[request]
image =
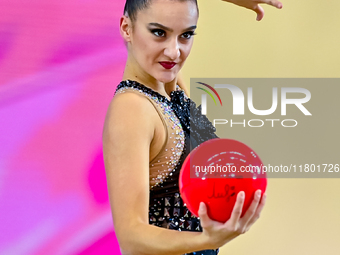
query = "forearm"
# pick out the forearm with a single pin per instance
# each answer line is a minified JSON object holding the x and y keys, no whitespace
{"x":146,"y":239}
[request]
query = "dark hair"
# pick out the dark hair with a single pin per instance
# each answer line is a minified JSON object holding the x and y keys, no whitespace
{"x":133,"y":6}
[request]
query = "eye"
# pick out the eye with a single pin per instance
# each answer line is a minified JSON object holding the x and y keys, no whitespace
{"x":158,"y":32}
{"x":188,"y":35}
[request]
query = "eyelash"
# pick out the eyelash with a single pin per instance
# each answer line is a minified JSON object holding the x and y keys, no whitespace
{"x":191,"y":33}
{"x":154,"y":31}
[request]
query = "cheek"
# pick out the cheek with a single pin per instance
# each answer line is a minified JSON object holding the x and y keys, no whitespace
{"x":186,"y":50}
{"x":141,"y":44}
{"x":147,"y":49}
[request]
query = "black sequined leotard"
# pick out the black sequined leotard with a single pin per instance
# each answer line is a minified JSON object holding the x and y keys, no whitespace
{"x":186,"y":128}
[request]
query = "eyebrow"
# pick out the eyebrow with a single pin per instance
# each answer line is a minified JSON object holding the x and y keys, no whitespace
{"x":169,"y":29}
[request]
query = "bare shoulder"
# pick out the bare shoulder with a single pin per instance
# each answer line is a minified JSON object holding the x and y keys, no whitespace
{"x":130,"y":113}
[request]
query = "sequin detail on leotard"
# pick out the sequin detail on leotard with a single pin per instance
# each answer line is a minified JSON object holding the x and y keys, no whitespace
{"x":163,"y":165}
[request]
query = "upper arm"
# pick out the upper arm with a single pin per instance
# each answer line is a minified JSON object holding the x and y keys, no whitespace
{"x":127,"y":135}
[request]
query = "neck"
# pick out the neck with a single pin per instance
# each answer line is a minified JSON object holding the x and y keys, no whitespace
{"x":134,"y":72}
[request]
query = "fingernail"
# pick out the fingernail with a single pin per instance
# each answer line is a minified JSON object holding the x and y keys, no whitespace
{"x":258,"y":193}
{"x":201,"y":206}
{"x":241,"y":194}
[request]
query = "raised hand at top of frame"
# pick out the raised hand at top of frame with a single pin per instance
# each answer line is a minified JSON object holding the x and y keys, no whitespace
{"x":255,"y":5}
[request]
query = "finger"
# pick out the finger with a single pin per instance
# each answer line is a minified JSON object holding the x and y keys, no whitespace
{"x":237,"y":210}
{"x":260,"y":12}
{"x":274,"y":3}
{"x":252,"y":209}
{"x":203,"y":215}
{"x":259,"y":209}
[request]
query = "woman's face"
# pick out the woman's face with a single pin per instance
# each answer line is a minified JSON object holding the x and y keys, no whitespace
{"x":162,"y":37}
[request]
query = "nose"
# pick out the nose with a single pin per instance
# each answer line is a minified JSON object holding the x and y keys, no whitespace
{"x":172,"y":49}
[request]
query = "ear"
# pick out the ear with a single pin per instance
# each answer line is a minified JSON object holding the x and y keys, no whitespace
{"x":125,"y":28}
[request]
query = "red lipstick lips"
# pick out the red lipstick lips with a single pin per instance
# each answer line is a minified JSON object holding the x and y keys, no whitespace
{"x":168,"y":65}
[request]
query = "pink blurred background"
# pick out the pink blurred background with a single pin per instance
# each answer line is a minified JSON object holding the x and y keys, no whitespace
{"x":60,"y":62}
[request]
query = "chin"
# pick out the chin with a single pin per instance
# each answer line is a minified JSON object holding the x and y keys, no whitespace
{"x":166,"y":78}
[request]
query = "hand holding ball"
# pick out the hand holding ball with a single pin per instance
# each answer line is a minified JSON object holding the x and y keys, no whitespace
{"x":215,"y":172}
